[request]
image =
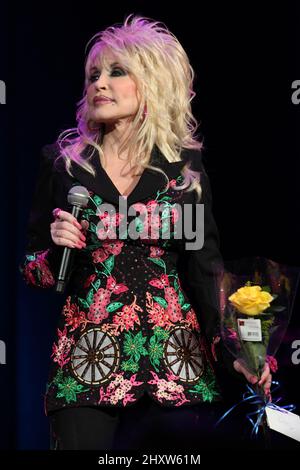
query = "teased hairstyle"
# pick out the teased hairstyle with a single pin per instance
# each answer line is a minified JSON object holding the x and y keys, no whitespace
{"x":160,"y":67}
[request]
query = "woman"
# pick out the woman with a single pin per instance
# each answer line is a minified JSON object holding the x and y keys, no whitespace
{"x":140,"y":313}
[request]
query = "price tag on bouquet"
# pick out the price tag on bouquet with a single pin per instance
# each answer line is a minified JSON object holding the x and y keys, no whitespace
{"x":249,"y":329}
{"x":284,"y":421}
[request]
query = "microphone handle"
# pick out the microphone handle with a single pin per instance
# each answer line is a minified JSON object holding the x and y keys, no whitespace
{"x":66,"y":259}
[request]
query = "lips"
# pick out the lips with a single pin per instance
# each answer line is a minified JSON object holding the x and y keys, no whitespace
{"x":102,"y":99}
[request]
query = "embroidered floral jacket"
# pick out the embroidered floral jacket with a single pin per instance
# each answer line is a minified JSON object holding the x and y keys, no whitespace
{"x":140,"y":315}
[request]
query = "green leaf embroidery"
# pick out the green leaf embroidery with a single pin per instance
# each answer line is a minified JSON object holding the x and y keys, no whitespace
{"x":90,"y":296}
{"x":93,"y":227}
{"x":158,"y":261}
{"x":69,"y":388}
{"x":161,"y":301}
{"x":114,"y":306}
{"x":96,"y":284}
{"x":134,"y":346}
{"x":109,"y":263}
{"x":130,"y":366}
{"x":206,"y":386}
{"x":88,"y":212}
{"x":186,"y":307}
{"x":160,"y":333}
{"x":59,"y":377}
{"x":156,"y":346}
{"x":97,"y":200}
{"x":180,"y":298}
{"x":83,"y":302}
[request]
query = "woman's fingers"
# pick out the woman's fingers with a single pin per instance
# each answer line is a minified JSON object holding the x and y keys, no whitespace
{"x":85,"y":225}
{"x":265,"y":379}
{"x":66,"y":231}
{"x":240,"y":367}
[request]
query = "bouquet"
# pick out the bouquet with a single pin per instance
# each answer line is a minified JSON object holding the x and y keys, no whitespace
{"x":256,"y":302}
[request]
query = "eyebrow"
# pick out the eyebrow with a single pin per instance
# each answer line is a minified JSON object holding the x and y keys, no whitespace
{"x":111,"y":65}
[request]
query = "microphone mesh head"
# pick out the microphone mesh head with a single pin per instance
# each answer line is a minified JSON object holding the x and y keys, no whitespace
{"x":78,"y":196}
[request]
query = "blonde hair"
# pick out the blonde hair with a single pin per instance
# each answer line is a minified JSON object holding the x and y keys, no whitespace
{"x":160,"y":67}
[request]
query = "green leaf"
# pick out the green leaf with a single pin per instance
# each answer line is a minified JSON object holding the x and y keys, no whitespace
{"x":93,"y":227}
{"x":109,"y":263}
{"x":97,"y":200}
{"x":186,"y":307}
{"x":83,"y":303}
{"x":157,"y":261}
{"x":153,"y":340}
{"x":161,"y":301}
{"x":90,"y":296}
{"x":161,"y":333}
{"x":88,"y":212}
{"x":97,"y":284}
{"x":176,"y":284}
{"x":180,"y":298}
{"x":113,"y":306}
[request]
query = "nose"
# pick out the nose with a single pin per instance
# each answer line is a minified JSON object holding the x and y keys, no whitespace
{"x":101,"y":82}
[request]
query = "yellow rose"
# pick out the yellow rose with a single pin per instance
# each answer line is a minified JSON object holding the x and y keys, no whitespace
{"x":251,"y":300}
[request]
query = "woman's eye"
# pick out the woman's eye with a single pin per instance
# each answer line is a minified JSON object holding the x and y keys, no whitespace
{"x":94,"y":77}
{"x":117,"y":72}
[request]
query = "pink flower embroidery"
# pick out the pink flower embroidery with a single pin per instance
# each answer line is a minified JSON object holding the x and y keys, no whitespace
{"x":108,"y":248}
{"x":192,"y":320}
{"x":125,"y":319}
{"x":118,"y":390}
{"x":168,"y":389}
{"x":62,"y":349}
{"x":74,"y":317}
{"x":89,"y":281}
{"x":156,"y":252}
{"x":157,"y":314}
{"x":160,"y":283}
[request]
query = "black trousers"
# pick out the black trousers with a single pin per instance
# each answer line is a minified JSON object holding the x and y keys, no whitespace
{"x":143,"y":425}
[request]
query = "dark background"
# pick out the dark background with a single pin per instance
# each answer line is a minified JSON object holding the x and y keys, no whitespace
{"x":246,"y":57}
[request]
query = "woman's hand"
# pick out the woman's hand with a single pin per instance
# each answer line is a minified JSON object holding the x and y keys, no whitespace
{"x":66,"y":231}
{"x":265,"y":379}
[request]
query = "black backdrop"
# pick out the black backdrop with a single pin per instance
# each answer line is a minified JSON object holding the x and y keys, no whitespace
{"x":246,"y":58}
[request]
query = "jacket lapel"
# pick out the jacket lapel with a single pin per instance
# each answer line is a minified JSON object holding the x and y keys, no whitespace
{"x":147,"y":186}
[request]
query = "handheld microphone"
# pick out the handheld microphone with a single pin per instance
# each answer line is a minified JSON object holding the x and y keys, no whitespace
{"x":78,"y":197}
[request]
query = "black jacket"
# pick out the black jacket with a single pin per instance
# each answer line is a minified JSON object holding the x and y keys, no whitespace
{"x":139,"y":314}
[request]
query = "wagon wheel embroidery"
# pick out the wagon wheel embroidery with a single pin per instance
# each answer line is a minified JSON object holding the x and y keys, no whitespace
{"x":182,"y":354}
{"x":95,"y":357}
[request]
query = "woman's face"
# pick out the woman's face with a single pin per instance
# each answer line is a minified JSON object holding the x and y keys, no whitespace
{"x":112,"y":94}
